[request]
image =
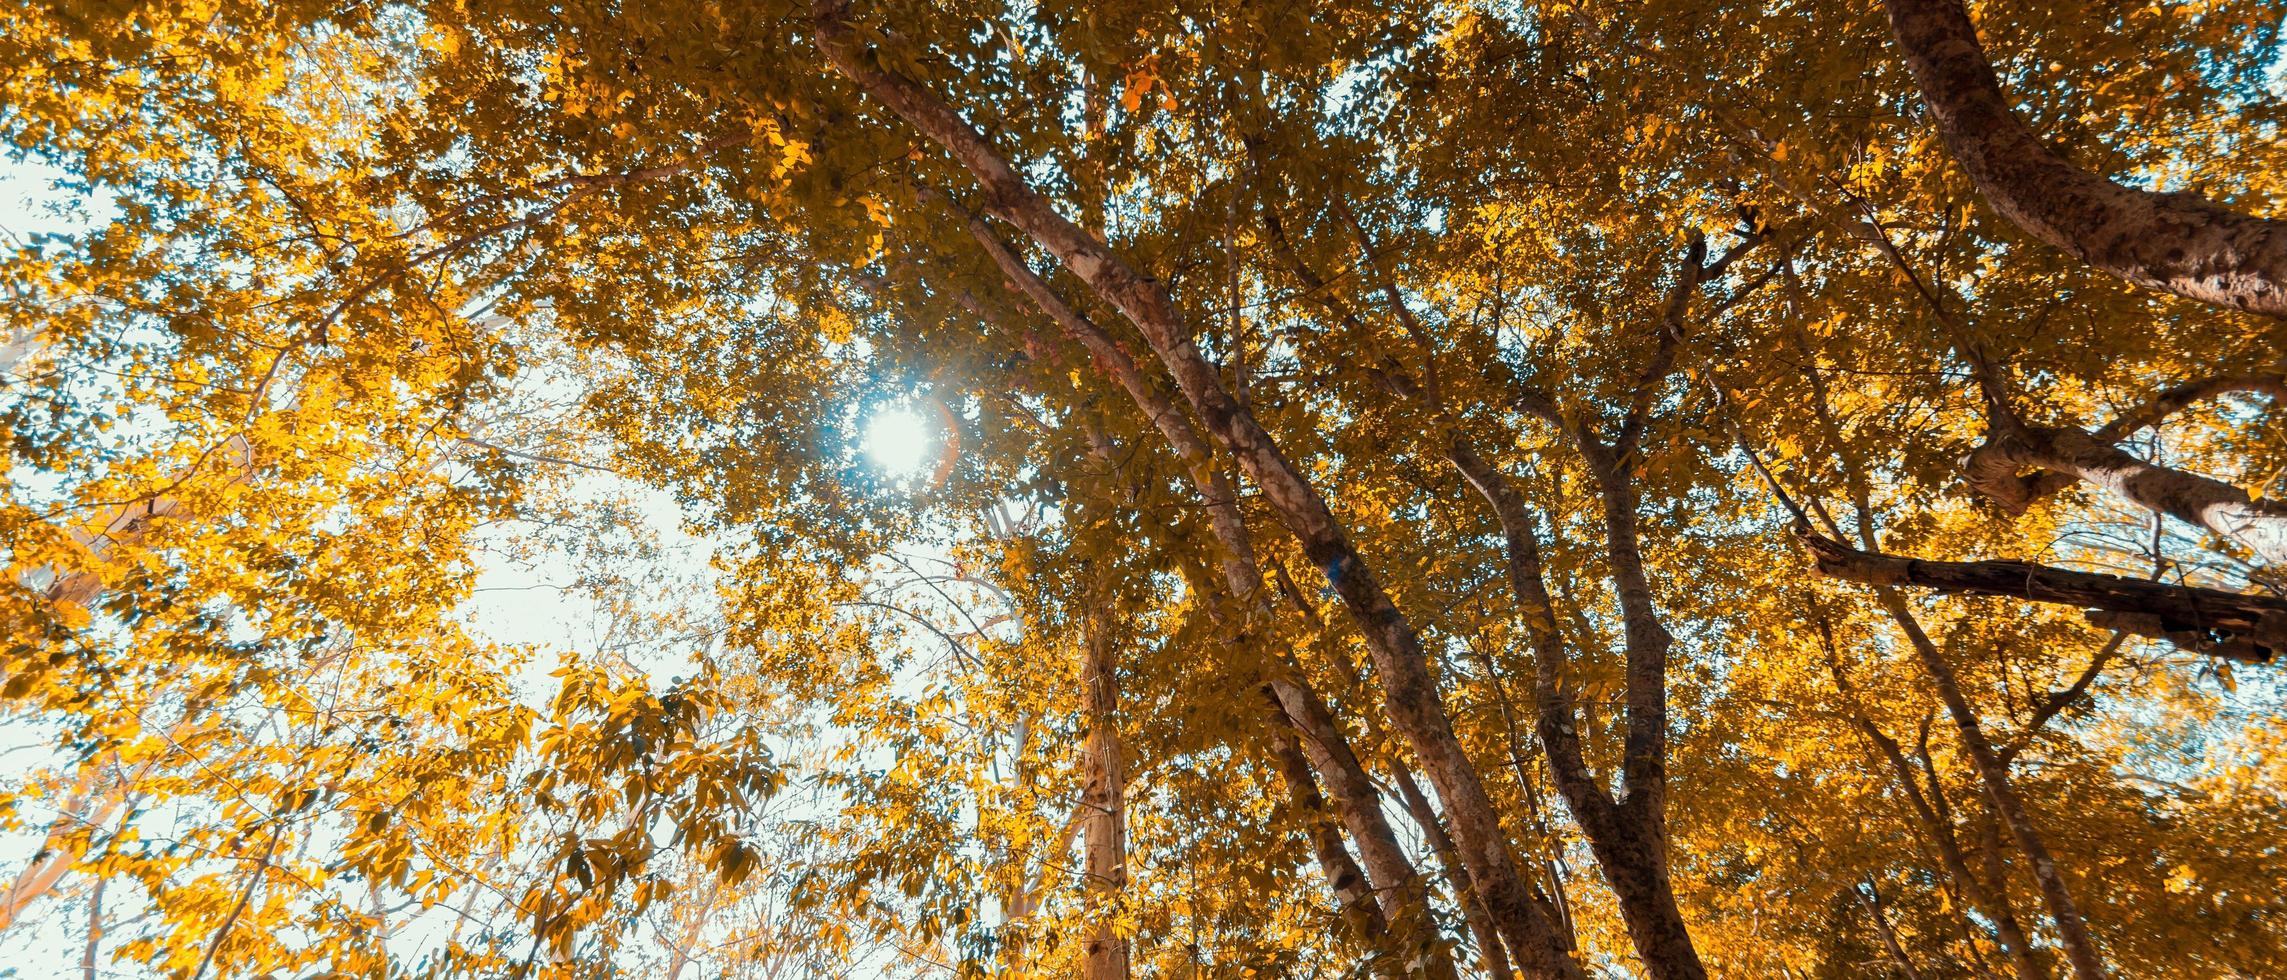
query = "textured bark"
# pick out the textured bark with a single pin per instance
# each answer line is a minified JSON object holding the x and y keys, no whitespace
{"x":2227,"y":511}
{"x":1409,"y":693}
{"x":1404,"y":898}
{"x":1352,"y":892}
{"x":1103,"y":802}
{"x":2179,"y":243}
{"x":2227,"y":624}
{"x":1627,"y":836}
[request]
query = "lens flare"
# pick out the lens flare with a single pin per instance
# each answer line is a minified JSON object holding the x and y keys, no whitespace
{"x":899,"y":442}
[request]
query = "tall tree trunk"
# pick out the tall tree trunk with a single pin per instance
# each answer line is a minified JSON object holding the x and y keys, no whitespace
{"x":1456,"y":874}
{"x":1327,"y":748}
{"x":1103,"y":801}
{"x":1409,"y":693}
{"x":92,"y":952}
{"x":1932,"y":814}
{"x":1871,"y":901}
{"x":1352,"y":891}
{"x":1997,"y":886}
{"x":1639,"y":849}
{"x":1405,"y":899}
{"x":1628,"y":837}
{"x":2179,"y":243}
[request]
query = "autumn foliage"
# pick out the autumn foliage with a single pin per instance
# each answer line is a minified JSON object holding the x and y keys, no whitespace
{"x":1417,"y":489}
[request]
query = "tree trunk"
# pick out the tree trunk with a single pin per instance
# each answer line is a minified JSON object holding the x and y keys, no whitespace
{"x":1628,"y":837}
{"x":1352,"y":892}
{"x":1103,"y":801}
{"x":88,"y":809}
{"x":2178,"y":243}
{"x":1404,"y":899}
{"x":2072,"y":931}
{"x":1871,"y":901}
{"x":1392,"y":875}
{"x":91,"y":954}
{"x":1456,"y":875}
{"x":1935,"y":819}
{"x":1997,"y":885}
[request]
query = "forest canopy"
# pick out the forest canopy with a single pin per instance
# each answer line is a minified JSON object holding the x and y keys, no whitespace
{"x":805,"y":488}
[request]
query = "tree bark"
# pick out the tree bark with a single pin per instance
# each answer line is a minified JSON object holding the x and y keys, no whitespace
{"x":2072,"y":930}
{"x":1103,"y":801}
{"x":2227,"y":511}
{"x":1456,"y":875}
{"x":1404,"y":899}
{"x":2226,"y":624}
{"x":1409,"y":693}
{"x":1627,"y":836}
{"x":1997,"y":884}
{"x":1936,"y":822}
{"x":1352,"y":892}
{"x":1391,"y":874}
{"x":2178,"y":243}
{"x":91,"y":954}
{"x":1871,"y":901}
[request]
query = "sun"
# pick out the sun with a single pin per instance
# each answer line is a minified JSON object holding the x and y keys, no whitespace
{"x":899,"y":442}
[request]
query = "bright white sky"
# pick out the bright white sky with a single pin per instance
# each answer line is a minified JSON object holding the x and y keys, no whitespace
{"x":901,"y":441}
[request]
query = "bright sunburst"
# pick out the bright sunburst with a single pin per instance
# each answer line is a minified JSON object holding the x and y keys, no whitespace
{"x":899,"y":442}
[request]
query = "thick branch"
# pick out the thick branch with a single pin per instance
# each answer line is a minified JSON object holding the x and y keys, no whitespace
{"x":2179,"y":243}
{"x":2212,"y":621}
{"x":2064,"y":455}
{"x":2172,"y":400}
